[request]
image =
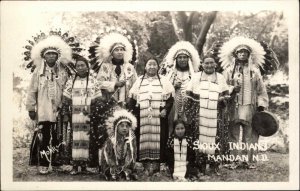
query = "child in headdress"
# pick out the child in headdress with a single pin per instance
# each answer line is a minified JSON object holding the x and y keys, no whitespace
{"x":118,"y":155}
{"x":180,"y":153}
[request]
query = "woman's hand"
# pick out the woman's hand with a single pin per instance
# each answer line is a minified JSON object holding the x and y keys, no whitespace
{"x":237,"y":88}
{"x":32,"y":115}
{"x":163,"y":113}
{"x":120,"y":84}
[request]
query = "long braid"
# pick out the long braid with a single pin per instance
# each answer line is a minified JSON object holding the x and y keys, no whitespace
{"x":159,"y":80}
{"x":74,"y":80}
{"x":87,"y":83}
{"x":142,"y":80}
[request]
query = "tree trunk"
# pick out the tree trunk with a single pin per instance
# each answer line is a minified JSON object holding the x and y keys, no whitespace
{"x":204,"y":30}
{"x":188,"y":33}
{"x":183,"y":19}
{"x":175,"y":26}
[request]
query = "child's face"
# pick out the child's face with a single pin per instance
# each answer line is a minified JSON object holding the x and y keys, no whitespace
{"x":180,"y":130}
{"x":123,"y":128}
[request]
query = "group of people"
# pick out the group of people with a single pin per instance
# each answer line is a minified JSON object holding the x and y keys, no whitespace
{"x":113,"y":119}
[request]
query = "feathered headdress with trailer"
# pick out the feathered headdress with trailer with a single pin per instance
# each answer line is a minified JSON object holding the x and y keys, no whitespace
{"x":108,"y":39}
{"x":271,"y":61}
{"x":229,"y":49}
{"x":121,"y":115}
{"x":181,"y":47}
{"x":64,"y":45}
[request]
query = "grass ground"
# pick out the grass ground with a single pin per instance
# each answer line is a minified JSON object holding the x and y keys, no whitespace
{"x":274,"y":170}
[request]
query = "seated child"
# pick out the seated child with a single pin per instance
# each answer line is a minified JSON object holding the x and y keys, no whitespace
{"x":180,"y":153}
{"x":118,"y":155}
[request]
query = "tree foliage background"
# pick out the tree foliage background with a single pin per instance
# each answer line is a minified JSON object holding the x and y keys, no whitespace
{"x":155,"y":33}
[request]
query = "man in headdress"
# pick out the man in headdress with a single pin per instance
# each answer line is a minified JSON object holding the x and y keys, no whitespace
{"x":116,"y":72}
{"x":182,"y":61}
{"x":241,"y":57}
{"x":44,"y":97}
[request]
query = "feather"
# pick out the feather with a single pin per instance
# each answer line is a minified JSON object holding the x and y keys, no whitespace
{"x":33,"y":68}
{"x":55,"y":41}
{"x":270,"y":59}
{"x":31,"y":42}
{"x":93,"y":61}
{"x":27,"y":58}
{"x":65,"y":35}
{"x":92,"y":49}
{"x":183,"y":45}
{"x":227,"y":51}
{"x":103,"y":50}
{"x":29,"y":65}
{"x":28,"y":47}
{"x":70,"y":40}
{"x":77,"y":49}
{"x":75,"y":56}
{"x":74,"y":44}
{"x":27,"y":53}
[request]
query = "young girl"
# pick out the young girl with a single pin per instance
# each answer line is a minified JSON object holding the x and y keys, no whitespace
{"x":118,"y":156}
{"x":180,"y":153}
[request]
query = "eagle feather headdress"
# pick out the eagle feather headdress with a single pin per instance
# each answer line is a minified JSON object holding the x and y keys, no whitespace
{"x":228,"y":52}
{"x":121,"y":115}
{"x":181,"y":47}
{"x":101,"y":49}
{"x":269,"y":65}
{"x":64,"y":45}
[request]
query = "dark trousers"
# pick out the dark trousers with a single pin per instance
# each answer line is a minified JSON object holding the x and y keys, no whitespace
{"x":41,"y":148}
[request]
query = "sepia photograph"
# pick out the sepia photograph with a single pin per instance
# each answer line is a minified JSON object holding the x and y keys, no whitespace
{"x":127,"y":95}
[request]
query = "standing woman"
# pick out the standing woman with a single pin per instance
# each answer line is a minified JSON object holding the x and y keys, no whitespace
{"x":206,"y":93}
{"x":77,"y":97}
{"x":154,"y":97}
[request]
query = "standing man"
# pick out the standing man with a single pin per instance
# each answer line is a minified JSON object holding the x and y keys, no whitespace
{"x":182,"y":61}
{"x":241,"y":58}
{"x":44,"y":96}
{"x":116,"y":72}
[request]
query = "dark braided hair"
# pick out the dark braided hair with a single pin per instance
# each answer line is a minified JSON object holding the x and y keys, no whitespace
{"x":76,"y":74}
{"x":156,"y":60}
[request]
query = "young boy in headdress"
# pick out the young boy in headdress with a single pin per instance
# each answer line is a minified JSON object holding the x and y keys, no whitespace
{"x":118,"y":155}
